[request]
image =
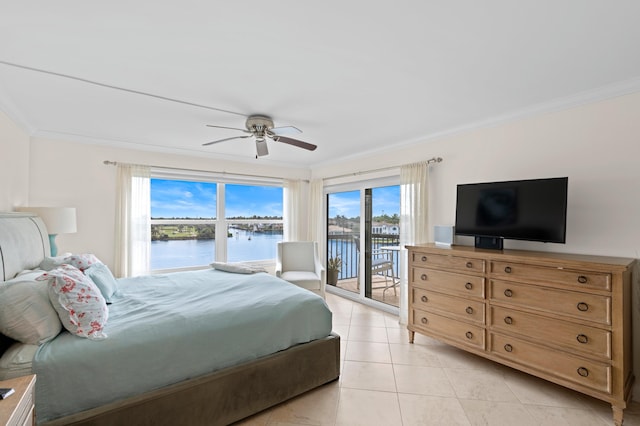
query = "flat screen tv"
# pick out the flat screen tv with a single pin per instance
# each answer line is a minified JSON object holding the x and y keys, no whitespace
{"x":532,"y":210}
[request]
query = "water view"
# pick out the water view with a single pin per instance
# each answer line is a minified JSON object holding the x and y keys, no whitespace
{"x":241,"y":246}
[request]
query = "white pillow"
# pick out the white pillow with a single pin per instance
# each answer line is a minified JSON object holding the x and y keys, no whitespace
{"x":103,"y":279}
{"x":17,"y":360}
{"x":237,"y":268}
{"x":26,"y":314}
{"x":78,"y":301}
{"x":27,"y":275}
{"x":82,"y":261}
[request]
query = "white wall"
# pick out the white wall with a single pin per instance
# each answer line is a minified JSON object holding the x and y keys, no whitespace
{"x":14,"y":165}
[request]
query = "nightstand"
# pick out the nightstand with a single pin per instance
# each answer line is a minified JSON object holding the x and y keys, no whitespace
{"x":19,"y":408}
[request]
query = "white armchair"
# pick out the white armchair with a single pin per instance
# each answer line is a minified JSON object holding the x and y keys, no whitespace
{"x":298,"y":262}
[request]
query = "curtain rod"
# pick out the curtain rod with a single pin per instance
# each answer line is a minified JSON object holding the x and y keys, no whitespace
{"x":429,"y":161}
{"x":223,"y":173}
{"x":115,"y":163}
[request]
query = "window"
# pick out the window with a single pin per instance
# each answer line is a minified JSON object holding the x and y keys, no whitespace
{"x":254,"y":218}
{"x":189,"y":217}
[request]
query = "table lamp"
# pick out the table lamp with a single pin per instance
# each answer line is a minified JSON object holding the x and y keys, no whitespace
{"x":58,"y":220}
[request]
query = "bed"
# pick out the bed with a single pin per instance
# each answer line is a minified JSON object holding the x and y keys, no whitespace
{"x":201,"y":347}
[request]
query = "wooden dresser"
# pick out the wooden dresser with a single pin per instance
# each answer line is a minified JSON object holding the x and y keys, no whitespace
{"x":18,"y":409}
{"x":565,"y":318}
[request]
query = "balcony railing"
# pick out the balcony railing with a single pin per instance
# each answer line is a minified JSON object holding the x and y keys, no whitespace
{"x":344,"y":246}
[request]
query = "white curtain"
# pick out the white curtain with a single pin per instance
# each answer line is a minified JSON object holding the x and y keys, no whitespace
{"x":414,"y":225}
{"x":294,"y":211}
{"x":133,"y":220}
{"x":316,"y":231}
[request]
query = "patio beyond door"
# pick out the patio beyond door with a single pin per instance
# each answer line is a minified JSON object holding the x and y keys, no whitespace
{"x":363,"y":235}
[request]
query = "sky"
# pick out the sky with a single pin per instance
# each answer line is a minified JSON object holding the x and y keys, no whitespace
{"x":386,"y":200}
{"x":175,"y":198}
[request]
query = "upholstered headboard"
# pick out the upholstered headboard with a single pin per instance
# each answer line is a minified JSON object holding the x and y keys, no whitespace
{"x":24,"y":242}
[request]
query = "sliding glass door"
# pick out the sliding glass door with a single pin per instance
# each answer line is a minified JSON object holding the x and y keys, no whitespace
{"x":363,"y":232}
{"x":382,"y":244}
{"x":343,"y":232}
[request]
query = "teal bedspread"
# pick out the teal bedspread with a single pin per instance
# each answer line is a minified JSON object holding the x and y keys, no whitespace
{"x":163,"y":329}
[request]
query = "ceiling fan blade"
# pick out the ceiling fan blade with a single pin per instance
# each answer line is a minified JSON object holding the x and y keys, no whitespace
{"x":226,"y":139}
{"x":285,"y":130}
{"x":295,"y":142}
{"x":261,"y":148}
{"x":230,"y":128}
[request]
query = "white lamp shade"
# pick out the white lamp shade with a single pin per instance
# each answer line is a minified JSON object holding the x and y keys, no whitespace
{"x":58,"y":220}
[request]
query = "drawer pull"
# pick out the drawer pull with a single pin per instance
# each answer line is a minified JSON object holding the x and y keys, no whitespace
{"x":509,"y":293}
{"x":582,"y":307}
{"x":424,"y":258}
{"x":469,"y":310}
{"x":423,"y":277}
{"x":582,"y":279}
{"x":424,"y":320}
{"x":508,"y":348}
{"x":508,"y":320}
{"x":469,"y":335}
{"x":469,"y":265}
{"x":468,"y":286}
{"x":424,"y":298}
{"x":583,"y":372}
{"x":582,"y":338}
{"x":507,"y":269}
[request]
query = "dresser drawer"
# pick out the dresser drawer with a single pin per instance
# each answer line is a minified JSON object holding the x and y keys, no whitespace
{"x":448,"y":282}
{"x":427,"y":260}
{"x":447,"y":328}
{"x":590,"y":341}
{"x":451,"y":306}
{"x":553,"y":363}
{"x":557,"y":276}
{"x":583,"y":306}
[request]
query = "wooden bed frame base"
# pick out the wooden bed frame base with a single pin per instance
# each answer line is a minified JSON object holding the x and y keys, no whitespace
{"x":226,"y":396}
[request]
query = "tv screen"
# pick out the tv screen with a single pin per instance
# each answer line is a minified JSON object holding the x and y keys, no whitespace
{"x":533,"y":210}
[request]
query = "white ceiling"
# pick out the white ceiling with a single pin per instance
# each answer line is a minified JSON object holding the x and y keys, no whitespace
{"x":356,"y":76}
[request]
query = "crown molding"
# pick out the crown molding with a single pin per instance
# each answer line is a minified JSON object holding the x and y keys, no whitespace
{"x":137,"y":146}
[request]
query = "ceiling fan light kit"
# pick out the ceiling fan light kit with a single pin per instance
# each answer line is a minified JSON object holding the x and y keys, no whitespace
{"x":261,"y":128}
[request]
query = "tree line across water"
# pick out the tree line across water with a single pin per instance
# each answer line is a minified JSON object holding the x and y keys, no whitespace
{"x":205,"y":231}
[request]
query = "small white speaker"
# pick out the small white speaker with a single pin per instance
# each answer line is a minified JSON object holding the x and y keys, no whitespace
{"x":443,"y":235}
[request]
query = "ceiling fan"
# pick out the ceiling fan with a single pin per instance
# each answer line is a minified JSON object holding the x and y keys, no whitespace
{"x":261,"y":128}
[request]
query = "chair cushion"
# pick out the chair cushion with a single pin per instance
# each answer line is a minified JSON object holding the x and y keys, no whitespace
{"x":298,"y":256}
{"x":381,"y":261}
{"x":304,"y":279}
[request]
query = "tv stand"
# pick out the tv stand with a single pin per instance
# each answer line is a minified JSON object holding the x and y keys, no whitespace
{"x":492,"y":243}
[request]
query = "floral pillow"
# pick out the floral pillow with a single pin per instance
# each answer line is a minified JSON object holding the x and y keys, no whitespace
{"x":82,"y":261}
{"x":77,"y":300}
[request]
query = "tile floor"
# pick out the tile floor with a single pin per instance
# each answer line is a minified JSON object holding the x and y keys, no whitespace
{"x":386,"y":381}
